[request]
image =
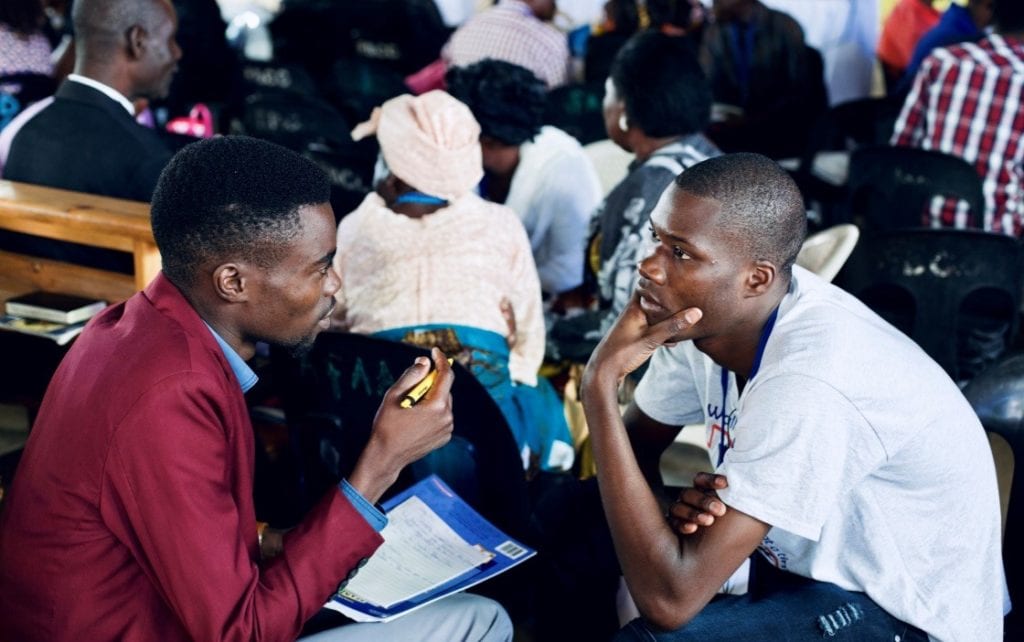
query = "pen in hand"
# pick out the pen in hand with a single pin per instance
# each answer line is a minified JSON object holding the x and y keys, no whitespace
{"x":418,"y":391}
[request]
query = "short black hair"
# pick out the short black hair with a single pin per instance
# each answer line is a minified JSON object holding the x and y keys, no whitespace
{"x":228,"y":198}
{"x":1008,"y":15}
{"x":507,"y":100}
{"x":660,"y":80}
{"x":761,"y":204}
{"x":24,"y":17}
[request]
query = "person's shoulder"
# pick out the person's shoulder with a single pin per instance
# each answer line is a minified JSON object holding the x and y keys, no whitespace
{"x":495,"y":223}
{"x":828,"y":328}
{"x":997,"y":49}
{"x":157,"y":335}
{"x":782,"y":22}
{"x":492,"y":213}
{"x":552,"y":137}
{"x":558,"y":152}
{"x":364,"y":213}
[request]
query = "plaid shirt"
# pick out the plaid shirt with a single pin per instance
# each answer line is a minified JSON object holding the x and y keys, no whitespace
{"x":966,"y":101}
{"x":511,"y":32}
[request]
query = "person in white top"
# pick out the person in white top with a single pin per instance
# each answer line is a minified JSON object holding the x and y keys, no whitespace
{"x":539,"y":171}
{"x":840,"y":445}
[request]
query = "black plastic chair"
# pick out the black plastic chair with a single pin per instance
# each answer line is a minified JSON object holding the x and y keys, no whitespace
{"x":865,"y":122}
{"x":406,"y":35}
{"x":350,"y":170}
{"x":996,"y":395}
{"x":842,"y":128}
{"x":332,"y":396}
{"x":955,"y":292}
{"x":891,"y":188}
{"x":293,"y":120}
{"x":576,"y":110}
{"x":356,"y":85}
{"x":257,"y":76}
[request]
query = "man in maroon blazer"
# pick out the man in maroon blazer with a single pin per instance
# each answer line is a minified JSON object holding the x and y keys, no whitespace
{"x":131,"y":516}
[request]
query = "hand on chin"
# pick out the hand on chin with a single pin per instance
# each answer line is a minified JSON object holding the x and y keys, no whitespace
{"x":642,"y":328}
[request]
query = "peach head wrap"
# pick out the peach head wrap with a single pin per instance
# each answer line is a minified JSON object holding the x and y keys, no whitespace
{"x":431,"y":142}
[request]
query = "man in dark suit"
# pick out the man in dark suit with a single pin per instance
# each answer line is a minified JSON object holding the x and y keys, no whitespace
{"x":87,"y":140}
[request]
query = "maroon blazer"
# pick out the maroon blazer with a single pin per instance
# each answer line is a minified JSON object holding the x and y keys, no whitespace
{"x":131,"y":516}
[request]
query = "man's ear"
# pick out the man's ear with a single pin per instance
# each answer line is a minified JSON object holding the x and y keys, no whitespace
{"x":761,"y":277}
{"x":136,"y":42}
{"x":230,"y":283}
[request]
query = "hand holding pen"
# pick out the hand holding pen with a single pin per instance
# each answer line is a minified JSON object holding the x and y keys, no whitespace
{"x":418,"y":391}
{"x":402,"y":434}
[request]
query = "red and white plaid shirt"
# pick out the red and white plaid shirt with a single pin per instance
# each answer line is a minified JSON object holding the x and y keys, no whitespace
{"x":511,"y":32}
{"x":966,"y":101}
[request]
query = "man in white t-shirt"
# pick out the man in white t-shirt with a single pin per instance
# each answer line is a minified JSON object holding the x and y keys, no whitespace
{"x":846,"y":457}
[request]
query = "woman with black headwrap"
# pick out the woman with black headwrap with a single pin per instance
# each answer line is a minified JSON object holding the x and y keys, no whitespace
{"x":539,"y":171}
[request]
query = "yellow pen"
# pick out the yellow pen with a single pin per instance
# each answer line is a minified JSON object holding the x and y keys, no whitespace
{"x":417,"y":392}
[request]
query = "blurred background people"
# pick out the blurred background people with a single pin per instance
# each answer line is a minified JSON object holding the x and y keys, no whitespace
{"x":966,"y":101}
{"x":657,"y":103}
{"x":958,"y":24}
{"x":425,"y":260}
{"x":516,"y":31}
{"x":908,"y":21}
{"x":87,"y":140}
{"x":766,"y":82}
{"x":539,"y":171}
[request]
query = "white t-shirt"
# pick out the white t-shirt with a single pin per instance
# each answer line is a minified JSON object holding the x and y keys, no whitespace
{"x":865,"y":458}
{"x":554,"y":191}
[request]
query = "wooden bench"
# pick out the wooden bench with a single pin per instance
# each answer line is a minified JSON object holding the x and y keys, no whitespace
{"x":88,"y":219}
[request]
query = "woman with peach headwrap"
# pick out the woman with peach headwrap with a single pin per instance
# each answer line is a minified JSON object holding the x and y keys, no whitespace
{"x":425,"y":260}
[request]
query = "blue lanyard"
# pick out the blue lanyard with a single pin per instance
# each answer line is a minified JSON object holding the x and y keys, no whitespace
{"x":725,"y":439}
{"x":420,"y":198}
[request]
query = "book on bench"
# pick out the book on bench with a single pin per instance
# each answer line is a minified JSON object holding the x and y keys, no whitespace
{"x":61,"y":333}
{"x":435,"y":545}
{"x":54,"y":306}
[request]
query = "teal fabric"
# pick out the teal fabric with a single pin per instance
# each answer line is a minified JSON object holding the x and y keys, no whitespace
{"x":534,"y":414}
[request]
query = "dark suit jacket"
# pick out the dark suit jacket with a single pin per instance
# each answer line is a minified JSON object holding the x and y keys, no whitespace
{"x":86,"y":142}
{"x":133,"y":516}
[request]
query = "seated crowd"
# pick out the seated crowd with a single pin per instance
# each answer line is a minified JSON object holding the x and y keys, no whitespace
{"x":834,"y":442}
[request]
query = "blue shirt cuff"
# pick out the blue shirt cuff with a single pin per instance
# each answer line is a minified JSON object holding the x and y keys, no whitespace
{"x":373,"y":517}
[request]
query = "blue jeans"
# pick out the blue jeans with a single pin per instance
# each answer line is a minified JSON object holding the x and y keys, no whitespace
{"x":783,"y":607}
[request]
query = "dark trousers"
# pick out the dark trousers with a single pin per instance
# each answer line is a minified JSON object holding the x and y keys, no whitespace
{"x":779,"y":607}
{"x":578,"y":576}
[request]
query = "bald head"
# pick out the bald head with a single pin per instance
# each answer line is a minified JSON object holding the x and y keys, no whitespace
{"x":127,"y":44}
{"x":101,"y":25}
{"x":761,"y":205}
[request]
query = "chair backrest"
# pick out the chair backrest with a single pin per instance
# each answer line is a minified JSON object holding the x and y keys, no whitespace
{"x":892,"y":188}
{"x":850,"y":125}
{"x":337,"y":388}
{"x":404,"y":35}
{"x":576,"y":110}
{"x":257,"y":76}
{"x":825,"y":253}
{"x":293,"y":120}
{"x":350,"y":170}
{"x":356,"y":85}
{"x":996,"y":396}
{"x":944,"y":288}
{"x":1005,"y":462}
